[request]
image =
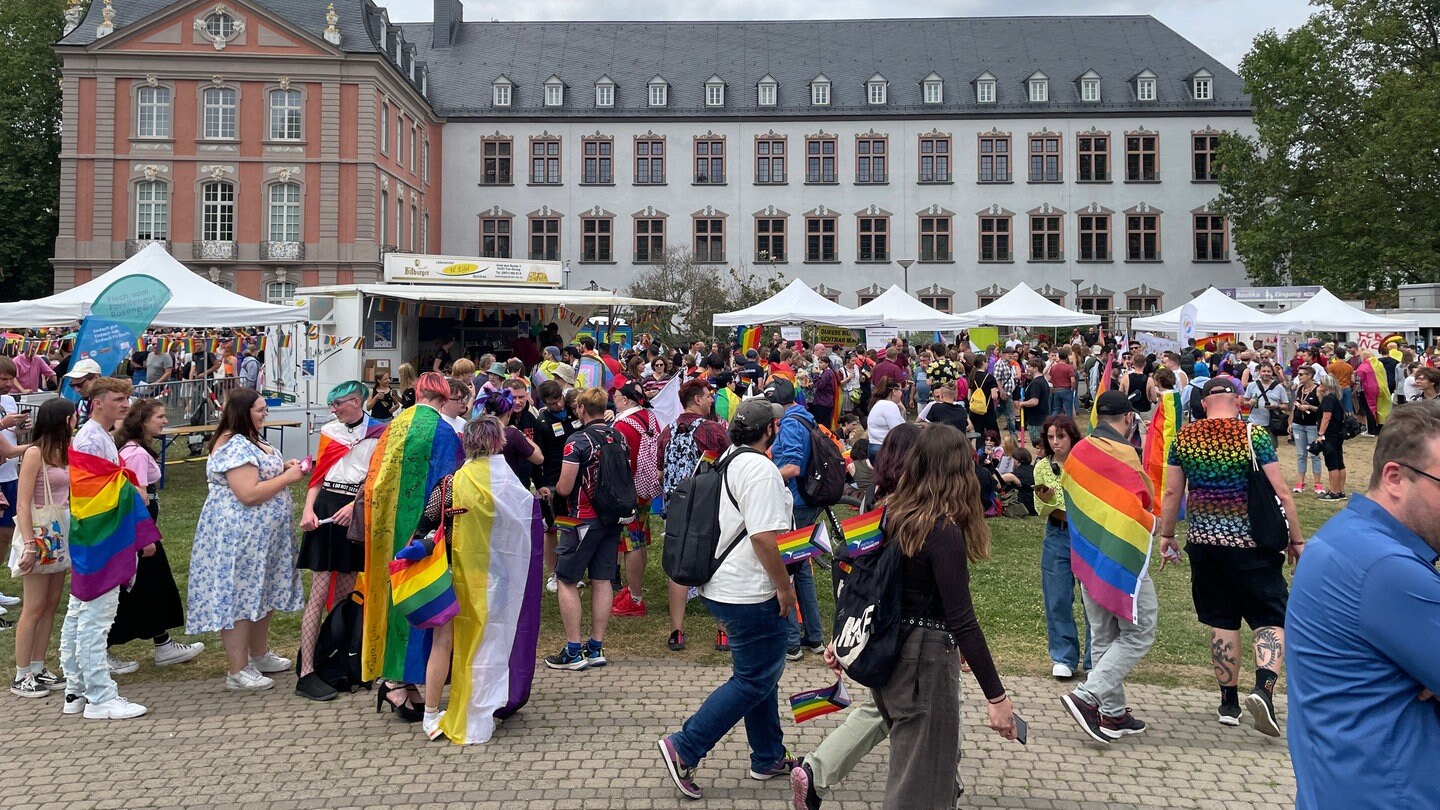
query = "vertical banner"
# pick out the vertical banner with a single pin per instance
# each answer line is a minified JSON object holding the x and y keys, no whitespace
{"x":1187,"y":323}
{"x":120,"y":314}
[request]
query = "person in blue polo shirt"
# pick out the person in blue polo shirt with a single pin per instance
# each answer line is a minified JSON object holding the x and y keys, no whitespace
{"x":1363,"y":634}
{"x":791,"y":452}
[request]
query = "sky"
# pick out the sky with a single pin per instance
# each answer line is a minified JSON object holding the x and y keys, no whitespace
{"x":1222,"y":28}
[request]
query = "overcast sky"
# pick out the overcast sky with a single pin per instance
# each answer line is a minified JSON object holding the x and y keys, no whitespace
{"x":1223,"y":28}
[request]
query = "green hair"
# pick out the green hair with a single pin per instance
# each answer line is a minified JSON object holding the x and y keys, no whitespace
{"x":346,"y":389}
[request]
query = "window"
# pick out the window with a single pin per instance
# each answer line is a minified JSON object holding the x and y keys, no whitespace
{"x":1142,"y":238}
{"x":152,"y":210}
{"x":709,"y":239}
{"x":1094,"y":237}
{"x":714,"y":94}
{"x":1205,"y":145}
{"x":820,"y":93}
{"x":933,"y":91}
{"x":659,"y":93}
{"x":820,"y":160}
{"x":1202,"y":88}
{"x":1090,"y":89}
{"x":545,"y":238}
{"x":820,"y":239}
{"x":650,"y":239}
{"x":495,"y":237}
{"x":414,"y":137}
{"x":995,"y":239}
{"x":595,"y":239}
{"x":1045,"y":158}
{"x":220,"y":25}
{"x":414,"y":219}
{"x":985,"y":91}
{"x":278,"y":292}
{"x":153,"y":112}
{"x":1145,"y":89}
{"x":400,"y":221}
{"x":769,"y":239}
{"x":425,"y":159}
{"x":384,"y":219}
{"x":1045,"y":238}
{"x":604,"y":95}
{"x":400,"y":141}
{"x":870,"y":160}
{"x":770,"y":161}
{"x":1210,"y":238}
{"x":287,"y":112}
{"x":766,"y":92}
{"x":219,"y":103}
{"x":425,"y":232}
{"x":496,"y":156}
{"x":500,"y":94}
{"x":385,"y":128}
{"x":934,"y":160}
{"x":598,"y":161}
{"x":545,"y":162}
{"x":1143,"y":303}
{"x":874,"y":239}
{"x":1092,"y":156}
{"x":1142,"y":157}
{"x":284,"y":212}
{"x":1039,"y":89}
{"x":935,"y":239}
{"x":217,"y":212}
{"x":554,"y":94}
{"x":710,"y":162}
{"x":1094,"y":303}
{"x":649,"y":162}
{"x":995,"y":159}
{"x":875,"y":91}
{"x":940,"y":302}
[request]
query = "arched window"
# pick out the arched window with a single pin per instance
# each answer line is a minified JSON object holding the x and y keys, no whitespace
{"x":279,"y":292}
{"x":284,"y":216}
{"x":152,"y":210}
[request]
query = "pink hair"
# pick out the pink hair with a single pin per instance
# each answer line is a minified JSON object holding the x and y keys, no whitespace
{"x":432,"y":385}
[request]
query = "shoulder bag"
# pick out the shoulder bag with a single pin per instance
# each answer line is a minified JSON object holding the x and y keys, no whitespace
{"x":1268,"y":526}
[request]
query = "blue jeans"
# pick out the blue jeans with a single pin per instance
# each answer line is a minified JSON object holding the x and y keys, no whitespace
{"x":757,"y":658}
{"x":1062,"y":401}
{"x":1305,"y":435}
{"x":1057,"y":583}
{"x":1347,"y":399}
{"x":82,"y":647}
{"x":807,"y":602}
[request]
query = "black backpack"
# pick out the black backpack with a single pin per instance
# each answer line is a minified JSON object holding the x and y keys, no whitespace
{"x":337,"y":649}
{"x":867,"y":632}
{"x":822,"y":482}
{"x":692,"y":524}
{"x":614,"y":499}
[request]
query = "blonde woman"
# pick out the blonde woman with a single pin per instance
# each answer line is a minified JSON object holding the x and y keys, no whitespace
{"x":406,"y":374}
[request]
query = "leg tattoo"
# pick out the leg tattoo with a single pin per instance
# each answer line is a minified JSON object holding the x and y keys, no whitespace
{"x":1269,"y":648}
{"x":1224,"y":659}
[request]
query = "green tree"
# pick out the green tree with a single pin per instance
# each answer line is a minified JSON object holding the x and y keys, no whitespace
{"x":700,"y":292}
{"x":29,"y":144}
{"x":1341,"y":185}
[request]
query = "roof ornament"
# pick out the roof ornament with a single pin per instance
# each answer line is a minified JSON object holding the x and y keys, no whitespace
{"x":332,"y":30}
{"x":107,"y":21}
{"x":74,"y":13}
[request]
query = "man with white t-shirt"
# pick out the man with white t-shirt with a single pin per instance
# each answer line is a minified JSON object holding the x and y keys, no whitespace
{"x":750,"y":594}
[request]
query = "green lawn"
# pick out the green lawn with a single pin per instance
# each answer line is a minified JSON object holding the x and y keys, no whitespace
{"x":1006,"y":590}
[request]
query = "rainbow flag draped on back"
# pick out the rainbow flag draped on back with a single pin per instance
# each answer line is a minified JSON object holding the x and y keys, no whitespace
{"x":416,"y":449}
{"x":591,"y":372}
{"x":1101,"y":388}
{"x":1158,"y":438}
{"x":108,"y":525}
{"x":726,"y":402}
{"x":1382,"y":382}
{"x":332,"y":449}
{"x":1108,"y":503}
{"x":749,"y":337}
{"x":495,"y":552}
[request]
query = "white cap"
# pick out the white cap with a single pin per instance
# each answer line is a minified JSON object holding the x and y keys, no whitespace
{"x":84,"y":368}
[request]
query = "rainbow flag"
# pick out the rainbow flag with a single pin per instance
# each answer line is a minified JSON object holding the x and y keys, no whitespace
{"x":860,"y":534}
{"x":334,"y":448}
{"x":749,"y":337}
{"x":1101,"y":388}
{"x":416,"y":449}
{"x":797,"y":545}
{"x":108,"y":525}
{"x":496,"y":550}
{"x":819,"y":702}
{"x":1108,"y":502}
{"x":726,"y":403}
{"x":567,"y":523}
{"x":1158,"y":438}
{"x":591,"y":372}
{"x":423,"y":590}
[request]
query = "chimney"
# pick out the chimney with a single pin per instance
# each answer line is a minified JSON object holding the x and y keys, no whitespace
{"x":448,"y":16}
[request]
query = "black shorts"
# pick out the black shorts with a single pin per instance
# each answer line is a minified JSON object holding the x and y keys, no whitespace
{"x":1334,"y":453}
{"x":11,"y":491}
{"x":593,"y":547}
{"x":1234,"y":584}
{"x":557,"y":505}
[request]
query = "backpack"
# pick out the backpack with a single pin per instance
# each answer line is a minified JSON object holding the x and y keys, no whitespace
{"x":647,"y":463}
{"x":867,"y":631}
{"x":1010,"y":505}
{"x":1353,"y":427}
{"x":822,"y":483}
{"x":682,"y":453}
{"x":692,"y":524}
{"x":337,"y":649}
{"x":979,"y":401}
{"x":614,"y":499}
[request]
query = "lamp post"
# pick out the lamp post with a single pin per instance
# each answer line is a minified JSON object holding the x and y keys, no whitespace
{"x":566,"y":269}
{"x":905,"y":265}
{"x":1076,"y":282}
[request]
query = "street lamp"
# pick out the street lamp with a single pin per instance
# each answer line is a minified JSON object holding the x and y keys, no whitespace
{"x":905,"y":265}
{"x":566,"y":269}
{"x":1076,"y":282}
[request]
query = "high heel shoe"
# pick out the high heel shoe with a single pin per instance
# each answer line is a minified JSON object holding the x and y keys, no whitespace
{"x":402,"y":707}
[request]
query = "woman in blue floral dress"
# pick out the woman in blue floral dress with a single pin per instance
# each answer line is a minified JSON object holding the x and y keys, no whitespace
{"x":242,"y":566}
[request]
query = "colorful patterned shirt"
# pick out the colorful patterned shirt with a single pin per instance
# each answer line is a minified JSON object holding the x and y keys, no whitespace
{"x":1216,"y":462}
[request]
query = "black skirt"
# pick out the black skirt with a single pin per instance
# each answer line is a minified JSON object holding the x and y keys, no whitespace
{"x":152,"y":606}
{"x":327,"y":548}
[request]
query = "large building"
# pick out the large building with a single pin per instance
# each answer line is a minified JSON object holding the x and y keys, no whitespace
{"x":274,"y":142}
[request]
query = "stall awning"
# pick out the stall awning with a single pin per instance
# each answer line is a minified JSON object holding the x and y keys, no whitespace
{"x":457,"y":294}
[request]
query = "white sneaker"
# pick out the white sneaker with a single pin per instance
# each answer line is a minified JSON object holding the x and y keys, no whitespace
{"x":118,"y":667}
{"x":116,"y":708}
{"x":3,"y":611}
{"x":173,"y":652}
{"x":6,"y":601}
{"x":1062,"y":671}
{"x":270,"y":663}
{"x":552,"y":585}
{"x":74,"y":704}
{"x":432,"y":727}
{"x":248,"y":680}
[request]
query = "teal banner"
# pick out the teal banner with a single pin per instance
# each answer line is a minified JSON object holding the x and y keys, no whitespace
{"x":120,"y":315}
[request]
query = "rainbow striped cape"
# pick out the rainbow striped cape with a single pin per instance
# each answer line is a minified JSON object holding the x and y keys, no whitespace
{"x":591,"y":372}
{"x":1158,"y":438}
{"x":108,"y":525}
{"x":496,"y":553}
{"x":414,"y":452}
{"x":1108,"y":502}
{"x":332,"y":449}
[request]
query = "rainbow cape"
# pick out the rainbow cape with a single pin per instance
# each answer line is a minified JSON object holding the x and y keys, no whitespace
{"x":332,"y":449}
{"x":108,"y":525}
{"x":1381,"y":407}
{"x":800,"y":544}
{"x":591,"y":372}
{"x":424,"y":590}
{"x":749,"y":337}
{"x":496,"y":552}
{"x":416,"y":449}
{"x":1100,"y":389}
{"x":860,"y":535}
{"x":819,"y":702}
{"x":1108,"y":503}
{"x":726,"y":403}
{"x":1158,"y":438}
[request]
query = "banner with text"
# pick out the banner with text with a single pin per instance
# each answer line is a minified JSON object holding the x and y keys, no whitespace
{"x":121,"y":313}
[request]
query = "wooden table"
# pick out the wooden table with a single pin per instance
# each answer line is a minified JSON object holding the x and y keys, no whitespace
{"x":170,"y":434}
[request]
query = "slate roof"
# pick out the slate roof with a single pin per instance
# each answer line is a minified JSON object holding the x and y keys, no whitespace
{"x":308,"y":15}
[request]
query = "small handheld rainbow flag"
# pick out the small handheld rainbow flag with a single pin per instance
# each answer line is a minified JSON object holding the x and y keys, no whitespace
{"x":1102,"y":387}
{"x":749,"y":337}
{"x":1158,"y":439}
{"x":424,"y":590}
{"x":819,"y":702}
{"x":798,"y":545}
{"x":565,"y":523}
{"x":861,"y":534}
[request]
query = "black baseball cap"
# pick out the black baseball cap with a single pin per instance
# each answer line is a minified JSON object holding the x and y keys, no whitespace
{"x":780,"y":391}
{"x":1113,"y":403}
{"x":1218,"y":385}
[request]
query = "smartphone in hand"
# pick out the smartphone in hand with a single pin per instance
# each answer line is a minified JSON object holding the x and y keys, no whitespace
{"x":307,"y":464}
{"x":1022,"y":729}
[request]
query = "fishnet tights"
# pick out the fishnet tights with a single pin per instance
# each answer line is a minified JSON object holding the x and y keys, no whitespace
{"x":315,"y":612}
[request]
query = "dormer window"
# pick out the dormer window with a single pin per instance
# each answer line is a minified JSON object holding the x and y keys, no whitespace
{"x":715,"y":92}
{"x":767,"y":91}
{"x":220,"y":25}
{"x":933,"y":89}
{"x":501,"y":92}
{"x":985,"y":89}
{"x":1038,"y":87}
{"x":659,"y":92}
{"x":1145,"y":86}
{"x":1202,"y":86}
{"x":820,"y":91}
{"x":1090,"y":86}
{"x":554,"y":92}
{"x":875,"y":89}
{"x":604,"y":92}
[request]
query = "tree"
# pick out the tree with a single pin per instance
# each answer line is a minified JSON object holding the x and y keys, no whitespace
{"x":1341,"y":185}
{"x":29,"y":145}
{"x":699,"y":291}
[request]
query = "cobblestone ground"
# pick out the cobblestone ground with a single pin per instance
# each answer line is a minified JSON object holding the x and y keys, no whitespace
{"x":587,"y":740}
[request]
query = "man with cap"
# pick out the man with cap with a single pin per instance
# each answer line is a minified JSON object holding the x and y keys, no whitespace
{"x":1232,"y":577}
{"x":791,"y":453}
{"x":80,"y":376}
{"x":1119,"y":641}
{"x":751,"y":595}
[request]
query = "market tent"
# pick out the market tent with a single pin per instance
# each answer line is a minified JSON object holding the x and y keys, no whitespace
{"x":1325,"y":312}
{"x":797,"y":303}
{"x":1023,"y":306}
{"x":897,"y":308}
{"x":1217,"y":312}
{"x":194,"y":301}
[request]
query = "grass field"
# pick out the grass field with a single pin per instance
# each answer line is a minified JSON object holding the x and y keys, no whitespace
{"x":1006,"y":591}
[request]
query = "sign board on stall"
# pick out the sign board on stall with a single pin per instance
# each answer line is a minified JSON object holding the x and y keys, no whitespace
{"x":833,"y":335}
{"x":790,"y":333}
{"x":879,"y":337}
{"x":415,"y":268}
{"x":1296,"y":294}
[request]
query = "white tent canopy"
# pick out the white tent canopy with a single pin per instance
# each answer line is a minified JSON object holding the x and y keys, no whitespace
{"x":897,"y":308}
{"x":1325,"y":312}
{"x":194,"y":301}
{"x":1023,"y":306}
{"x":796,"y":303}
{"x":1217,"y":312}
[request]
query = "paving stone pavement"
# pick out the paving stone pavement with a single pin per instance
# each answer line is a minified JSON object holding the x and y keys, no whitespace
{"x":587,"y":740}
